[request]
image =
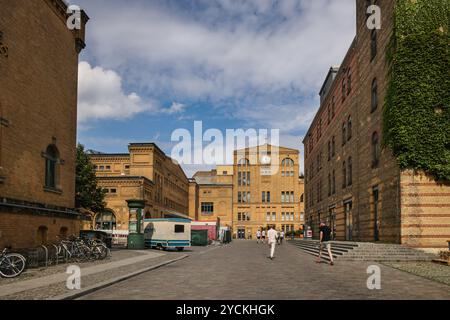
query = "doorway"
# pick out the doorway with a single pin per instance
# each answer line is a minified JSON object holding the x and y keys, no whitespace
{"x":241,"y":233}
{"x":348,"y":206}
{"x":376,"y":222}
{"x":332,"y":222}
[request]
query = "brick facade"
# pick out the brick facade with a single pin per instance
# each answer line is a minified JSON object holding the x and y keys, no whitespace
{"x":145,"y":173}
{"x":381,"y":202}
{"x":38,"y":111}
{"x":280,"y":185}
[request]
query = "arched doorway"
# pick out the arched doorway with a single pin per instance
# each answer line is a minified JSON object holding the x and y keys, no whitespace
{"x":105,"y":221}
{"x":41,"y":236}
{"x":63,"y":232}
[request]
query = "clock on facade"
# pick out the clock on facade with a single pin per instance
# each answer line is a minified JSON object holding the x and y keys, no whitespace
{"x":265,"y":159}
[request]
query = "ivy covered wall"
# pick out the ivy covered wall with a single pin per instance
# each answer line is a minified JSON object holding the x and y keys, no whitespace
{"x":417,"y":109}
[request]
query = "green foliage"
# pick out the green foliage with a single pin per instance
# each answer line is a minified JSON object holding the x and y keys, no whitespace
{"x":88,"y":194}
{"x":417,"y":111}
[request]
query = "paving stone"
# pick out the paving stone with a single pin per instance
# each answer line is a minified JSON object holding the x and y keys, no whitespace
{"x":242,"y":270}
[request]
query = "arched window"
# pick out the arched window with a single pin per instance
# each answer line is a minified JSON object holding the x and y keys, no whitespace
{"x":243,"y":162}
{"x":329,"y":184}
{"x":349,"y":128}
{"x":333,"y":183}
{"x":350,"y":171}
{"x":344,"y":175}
{"x":329,"y":150}
{"x":287,"y":162}
{"x":42,"y":235}
{"x":375,"y":150}
{"x":344,"y":133}
{"x":333,"y":107}
{"x":333,"y":147}
{"x":374,"y":104}
{"x":349,"y":81}
{"x":51,"y":162}
{"x":344,"y":88}
{"x":63,"y":232}
{"x":373,"y":44}
{"x":105,"y":221}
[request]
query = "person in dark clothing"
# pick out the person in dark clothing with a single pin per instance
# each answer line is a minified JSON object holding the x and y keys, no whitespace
{"x":325,"y":238}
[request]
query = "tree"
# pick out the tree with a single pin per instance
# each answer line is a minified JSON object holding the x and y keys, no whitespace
{"x":87,"y":193}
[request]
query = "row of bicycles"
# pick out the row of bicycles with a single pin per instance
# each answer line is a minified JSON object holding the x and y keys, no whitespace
{"x":73,"y":249}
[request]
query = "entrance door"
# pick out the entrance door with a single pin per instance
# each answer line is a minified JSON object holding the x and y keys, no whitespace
{"x":376,"y":230}
{"x":348,"y":221}
{"x":332,"y":222}
{"x":241,"y":233}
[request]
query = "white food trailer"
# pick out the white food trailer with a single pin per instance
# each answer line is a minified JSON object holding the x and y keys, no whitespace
{"x":167,"y":233}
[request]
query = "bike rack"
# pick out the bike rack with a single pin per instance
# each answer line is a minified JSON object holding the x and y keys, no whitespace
{"x":56,"y":253}
{"x":46,"y":255}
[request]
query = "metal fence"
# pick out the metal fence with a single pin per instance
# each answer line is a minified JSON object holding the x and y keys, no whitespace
{"x":44,"y":256}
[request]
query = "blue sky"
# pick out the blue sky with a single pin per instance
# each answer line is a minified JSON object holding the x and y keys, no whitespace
{"x":153,"y":66}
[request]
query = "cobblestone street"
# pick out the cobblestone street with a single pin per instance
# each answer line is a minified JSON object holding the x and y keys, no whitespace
{"x":242,"y":270}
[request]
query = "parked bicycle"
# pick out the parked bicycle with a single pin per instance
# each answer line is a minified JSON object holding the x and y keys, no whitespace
{"x":82,"y":250}
{"x":11,"y":264}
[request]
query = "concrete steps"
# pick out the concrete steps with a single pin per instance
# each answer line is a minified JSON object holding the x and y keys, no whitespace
{"x":361,"y":251}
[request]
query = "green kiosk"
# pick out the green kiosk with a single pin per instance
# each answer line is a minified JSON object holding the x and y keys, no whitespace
{"x":136,"y":239}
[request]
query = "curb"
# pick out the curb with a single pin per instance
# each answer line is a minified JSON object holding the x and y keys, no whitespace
{"x":107,"y":283}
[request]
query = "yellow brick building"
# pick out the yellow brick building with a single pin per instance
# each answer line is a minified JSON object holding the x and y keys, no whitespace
{"x":267,"y":190}
{"x":38,"y":119}
{"x":145,"y":173}
{"x":261,"y":188}
{"x":352,"y":181}
{"x":214,"y":196}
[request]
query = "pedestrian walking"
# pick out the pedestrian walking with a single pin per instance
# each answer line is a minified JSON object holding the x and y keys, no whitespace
{"x":278,"y":237}
{"x":272,"y":241}
{"x":258,"y":236}
{"x":281,"y":236}
{"x":263,"y":236}
{"x":325,"y":238}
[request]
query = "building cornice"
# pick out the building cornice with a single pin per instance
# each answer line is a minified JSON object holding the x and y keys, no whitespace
{"x":126,"y":178}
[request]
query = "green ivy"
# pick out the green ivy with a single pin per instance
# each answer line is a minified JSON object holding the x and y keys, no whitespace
{"x":417,"y":111}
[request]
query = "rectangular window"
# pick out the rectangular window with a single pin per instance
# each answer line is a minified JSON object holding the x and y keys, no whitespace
{"x":268,"y":197}
{"x":263,"y":197}
{"x":239,"y":178}
{"x":239,"y":197}
{"x":283,"y":216}
{"x":283,"y":199}
{"x":274,"y":216}
{"x":207,"y":208}
{"x":179,"y":228}
{"x":268,"y":216}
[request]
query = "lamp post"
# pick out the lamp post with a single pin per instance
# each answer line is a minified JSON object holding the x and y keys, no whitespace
{"x":136,"y":225}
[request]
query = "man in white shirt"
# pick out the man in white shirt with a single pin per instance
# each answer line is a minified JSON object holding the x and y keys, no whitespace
{"x":272,"y":241}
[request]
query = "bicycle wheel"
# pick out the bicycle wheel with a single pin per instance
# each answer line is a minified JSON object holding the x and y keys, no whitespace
{"x":12,"y":265}
{"x":103,"y":250}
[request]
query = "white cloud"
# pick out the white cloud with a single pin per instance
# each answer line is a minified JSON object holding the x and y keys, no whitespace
{"x":101,"y":96}
{"x":224,"y":50}
{"x":175,"y":108}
